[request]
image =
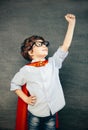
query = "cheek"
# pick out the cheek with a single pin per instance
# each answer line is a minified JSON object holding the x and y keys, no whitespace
{"x":40,"y":51}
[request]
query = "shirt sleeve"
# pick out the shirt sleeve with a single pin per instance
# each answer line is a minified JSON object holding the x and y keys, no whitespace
{"x":18,"y":80}
{"x":59,"y":56}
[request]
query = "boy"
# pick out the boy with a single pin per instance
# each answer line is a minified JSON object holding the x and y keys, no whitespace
{"x":41,"y":77}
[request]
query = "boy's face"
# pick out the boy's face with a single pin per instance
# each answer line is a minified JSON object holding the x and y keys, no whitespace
{"x":39,"y":50}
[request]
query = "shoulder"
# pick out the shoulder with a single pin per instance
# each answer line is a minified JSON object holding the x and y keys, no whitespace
{"x":24,"y":68}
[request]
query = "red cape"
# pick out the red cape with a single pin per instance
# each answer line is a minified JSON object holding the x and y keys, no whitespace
{"x":21,"y":114}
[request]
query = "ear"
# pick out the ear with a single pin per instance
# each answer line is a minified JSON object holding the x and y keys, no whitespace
{"x":30,"y":52}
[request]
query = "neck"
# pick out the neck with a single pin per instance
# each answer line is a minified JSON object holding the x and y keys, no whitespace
{"x":36,"y":60}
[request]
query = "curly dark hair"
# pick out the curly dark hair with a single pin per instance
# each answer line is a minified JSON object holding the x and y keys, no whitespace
{"x":27,"y":45}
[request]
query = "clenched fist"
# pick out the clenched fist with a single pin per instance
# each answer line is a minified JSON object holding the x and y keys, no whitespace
{"x":70,"y":18}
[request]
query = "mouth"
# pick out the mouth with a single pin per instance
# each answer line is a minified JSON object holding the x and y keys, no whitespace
{"x":45,"y":50}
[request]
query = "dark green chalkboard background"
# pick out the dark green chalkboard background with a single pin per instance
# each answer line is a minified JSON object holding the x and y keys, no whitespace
{"x":22,"y":18}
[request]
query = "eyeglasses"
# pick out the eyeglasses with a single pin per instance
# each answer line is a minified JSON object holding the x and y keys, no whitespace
{"x":39,"y":44}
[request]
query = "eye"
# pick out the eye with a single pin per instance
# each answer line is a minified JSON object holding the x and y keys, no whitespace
{"x":38,"y":44}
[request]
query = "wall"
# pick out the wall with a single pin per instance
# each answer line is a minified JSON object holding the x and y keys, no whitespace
{"x":22,"y":18}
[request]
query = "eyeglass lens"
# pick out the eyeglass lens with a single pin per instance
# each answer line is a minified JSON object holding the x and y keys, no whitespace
{"x":39,"y":44}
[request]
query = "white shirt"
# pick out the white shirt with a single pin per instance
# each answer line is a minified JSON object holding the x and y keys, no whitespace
{"x":44,"y":83}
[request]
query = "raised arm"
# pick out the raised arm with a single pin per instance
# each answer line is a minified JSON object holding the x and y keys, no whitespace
{"x":70,"y":30}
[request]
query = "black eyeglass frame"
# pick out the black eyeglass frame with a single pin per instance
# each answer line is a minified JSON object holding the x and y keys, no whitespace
{"x":46,"y":43}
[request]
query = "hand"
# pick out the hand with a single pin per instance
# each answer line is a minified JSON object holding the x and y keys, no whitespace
{"x":70,"y":18}
{"x":31,"y":100}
